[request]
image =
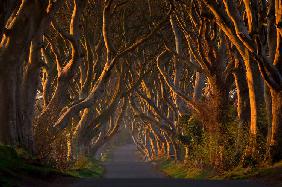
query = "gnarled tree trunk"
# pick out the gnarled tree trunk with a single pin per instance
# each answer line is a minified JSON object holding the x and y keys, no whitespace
{"x":13,"y":51}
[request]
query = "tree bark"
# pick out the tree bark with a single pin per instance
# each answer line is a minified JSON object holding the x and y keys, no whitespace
{"x":178,"y":65}
{"x":256,"y":101}
{"x":29,"y":22}
{"x":243,"y":103}
{"x":13,"y":50}
{"x":199,"y":85}
{"x":29,"y":91}
{"x":275,"y":140}
{"x":10,"y":131}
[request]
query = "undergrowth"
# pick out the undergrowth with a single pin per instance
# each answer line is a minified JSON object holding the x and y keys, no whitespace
{"x":16,"y":164}
{"x":181,"y":170}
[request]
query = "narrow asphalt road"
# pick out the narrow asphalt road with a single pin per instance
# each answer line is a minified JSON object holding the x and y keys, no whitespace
{"x":125,"y":162}
{"x":126,"y":169}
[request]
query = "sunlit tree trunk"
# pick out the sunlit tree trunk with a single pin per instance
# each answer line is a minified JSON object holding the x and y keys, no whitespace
{"x":255,"y":87}
{"x":44,"y":130}
{"x":275,"y":139}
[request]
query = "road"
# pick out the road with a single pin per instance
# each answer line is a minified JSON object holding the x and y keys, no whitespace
{"x":126,"y":169}
{"x":126,"y":162}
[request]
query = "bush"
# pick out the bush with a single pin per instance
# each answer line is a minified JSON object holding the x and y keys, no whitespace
{"x":85,"y":167}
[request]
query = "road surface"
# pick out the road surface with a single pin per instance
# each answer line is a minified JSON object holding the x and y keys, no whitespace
{"x":126,"y":162}
{"x":126,"y":169}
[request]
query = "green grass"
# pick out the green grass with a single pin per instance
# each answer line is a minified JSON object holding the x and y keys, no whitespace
{"x":15,"y":160}
{"x":180,"y":170}
{"x":86,"y":167}
{"x":17,"y":163}
{"x":8,"y":157}
{"x":246,"y":173}
{"x":107,"y":153}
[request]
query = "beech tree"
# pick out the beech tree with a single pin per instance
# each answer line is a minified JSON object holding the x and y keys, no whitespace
{"x":257,"y":39}
{"x":193,"y":81}
{"x":22,"y":24}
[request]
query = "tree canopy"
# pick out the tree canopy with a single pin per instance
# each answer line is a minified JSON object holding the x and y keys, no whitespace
{"x":195,"y":81}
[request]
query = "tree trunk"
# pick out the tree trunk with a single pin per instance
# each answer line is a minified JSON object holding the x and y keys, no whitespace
{"x":243,"y":105}
{"x":199,"y":85}
{"x":178,"y":65}
{"x":29,"y":90}
{"x":243,"y":102}
{"x":81,"y":136}
{"x":275,"y":139}
{"x":10,"y":131}
{"x":255,"y":86}
{"x":7,"y":7}
{"x":13,"y":51}
{"x":268,"y":106}
{"x":44,"y":131}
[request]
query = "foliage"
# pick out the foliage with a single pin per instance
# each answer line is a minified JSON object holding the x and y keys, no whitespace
{"x":192,"y":130}
{"x":85,"y":167}
{"x":203,"y":150}
{"x":237,"y":165}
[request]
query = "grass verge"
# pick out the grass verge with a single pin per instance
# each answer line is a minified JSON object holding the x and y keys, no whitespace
{"x":17,"y":167}
{"x":86,"y":167}
{"x":269,"y":174}
{"x":179,"y":170}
